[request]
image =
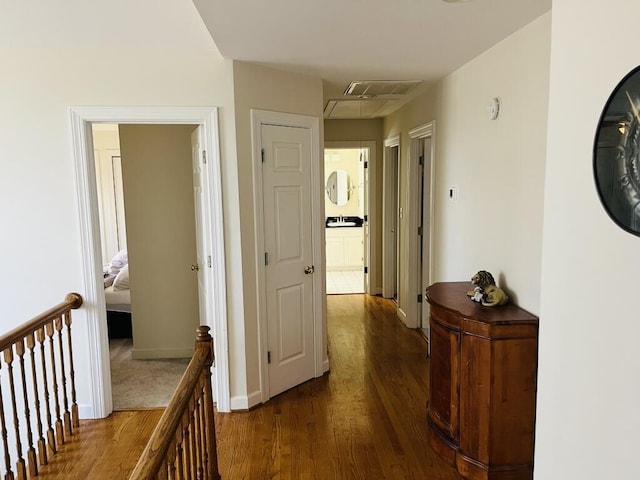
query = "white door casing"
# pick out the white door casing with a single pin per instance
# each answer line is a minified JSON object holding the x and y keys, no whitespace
{"x":81,"y":118}
{"x":288,"y":215}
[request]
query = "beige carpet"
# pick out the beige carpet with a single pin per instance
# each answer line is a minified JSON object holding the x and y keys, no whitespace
{"x":138,"y":384}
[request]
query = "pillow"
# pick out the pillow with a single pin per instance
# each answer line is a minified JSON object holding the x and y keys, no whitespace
{"x":121,"y":282}
{"x":118,"y":261}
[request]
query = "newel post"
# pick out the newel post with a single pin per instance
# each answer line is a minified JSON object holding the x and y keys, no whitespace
{"x":205,"y":341}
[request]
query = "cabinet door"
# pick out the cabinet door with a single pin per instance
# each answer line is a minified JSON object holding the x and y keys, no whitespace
{"x":444,"y":379}
{"x":353,"y":251}
{"x":335,"y":252}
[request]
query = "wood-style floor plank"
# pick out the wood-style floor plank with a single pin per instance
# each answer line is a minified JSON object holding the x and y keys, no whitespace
{"x":365,"y":420}
{"x":103,"y":449}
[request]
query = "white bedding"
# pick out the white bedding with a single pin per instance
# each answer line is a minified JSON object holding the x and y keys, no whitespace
{"x":117,"y":300}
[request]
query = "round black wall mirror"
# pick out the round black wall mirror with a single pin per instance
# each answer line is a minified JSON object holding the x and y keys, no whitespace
{"x":616,"y":154}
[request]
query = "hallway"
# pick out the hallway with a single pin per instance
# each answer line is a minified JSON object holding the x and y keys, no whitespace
{"x":366,"y":419}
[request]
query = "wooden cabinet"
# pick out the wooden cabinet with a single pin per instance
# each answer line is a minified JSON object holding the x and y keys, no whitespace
{"x":482,"y":392}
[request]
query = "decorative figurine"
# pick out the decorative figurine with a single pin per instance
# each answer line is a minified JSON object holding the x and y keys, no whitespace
{"x":485,"y":290}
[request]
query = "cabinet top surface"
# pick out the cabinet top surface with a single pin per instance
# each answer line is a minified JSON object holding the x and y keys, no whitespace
{"x":453,"y":296}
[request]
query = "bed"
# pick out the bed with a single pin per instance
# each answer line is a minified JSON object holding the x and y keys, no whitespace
{"x":117,"y":295}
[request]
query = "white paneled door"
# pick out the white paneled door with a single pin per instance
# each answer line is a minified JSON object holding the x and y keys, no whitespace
{"x":289,"y":268}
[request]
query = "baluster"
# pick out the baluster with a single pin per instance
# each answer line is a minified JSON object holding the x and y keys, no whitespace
{"x":204,"y":340}
{"x":67,"y":413}
{"x":200,"y":472}
{"x":171,"y":460}
{"x":75,"y":418}
{"x":162,"y":473}
{"x":194,"y":437}
{"x":51,"y":443}
{"x":31,"y":452}
{"x":7,"y":458}
{"x":186,"y":445}
{"x":21,"y":470}
{"x":52,"y":357}
{"x":179,"y":455}
{"x":42,"y":451}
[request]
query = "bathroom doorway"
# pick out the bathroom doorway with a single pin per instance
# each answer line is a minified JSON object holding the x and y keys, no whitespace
{"x":347,"y":222}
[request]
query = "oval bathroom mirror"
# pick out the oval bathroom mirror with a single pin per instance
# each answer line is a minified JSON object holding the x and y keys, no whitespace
{"x":338,"y":189}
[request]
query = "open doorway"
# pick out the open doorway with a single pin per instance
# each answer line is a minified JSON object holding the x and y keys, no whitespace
{"x":349,"y":219}
{"x":391,"y":218}
{"x":205,"y":118}
{"x":151,"y":285}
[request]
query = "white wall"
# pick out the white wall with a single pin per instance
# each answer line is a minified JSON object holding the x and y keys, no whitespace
{"x":85,"y":53}
{"x":158,"y":183}
{"x":266,"y":89}
{"x":497,"y":165}
{"x":588,"y":390}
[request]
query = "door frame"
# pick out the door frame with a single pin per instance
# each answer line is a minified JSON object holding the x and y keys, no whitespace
{"x":371,"y":247}
{"x":321,"y":361}
{"x":81,"y":118}
{"x":417,"y":135}
{"x":388,"y":194}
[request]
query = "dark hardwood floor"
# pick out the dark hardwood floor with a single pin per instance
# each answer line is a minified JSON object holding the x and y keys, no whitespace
{"x":364,"y":420}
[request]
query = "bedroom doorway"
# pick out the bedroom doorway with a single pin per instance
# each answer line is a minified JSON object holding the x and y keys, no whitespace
{"x":205,"y":120}
{"x":161,"y":192}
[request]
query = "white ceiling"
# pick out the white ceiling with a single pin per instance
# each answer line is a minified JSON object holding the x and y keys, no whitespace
{"x":347,"y":40}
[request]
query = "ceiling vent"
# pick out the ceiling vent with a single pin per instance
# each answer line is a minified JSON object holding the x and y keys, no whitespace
{"x":355,"y":108}
{"x":380,"y":88}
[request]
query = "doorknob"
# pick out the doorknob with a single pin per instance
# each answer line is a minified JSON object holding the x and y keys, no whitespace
{"x":195,"y":268}
{"x":309,"y":269}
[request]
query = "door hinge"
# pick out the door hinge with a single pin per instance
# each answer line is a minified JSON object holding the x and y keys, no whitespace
{"x":262,"y":154}
{"x":204,"y":156}
{"x":421,"y":159}
{"x":268,"y":357}
{"x":266,"y":258}
{"x":209,"y":261}
{"x":366,"y":164}
{"x":419,"y":298}
{"x":366,"y":218}
{"x":420,"y":231}
{"x":366,"y":269}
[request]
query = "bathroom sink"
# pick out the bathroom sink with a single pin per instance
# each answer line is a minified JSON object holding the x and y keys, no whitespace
{"x":341,"y":224}
{"x":337,"y":222}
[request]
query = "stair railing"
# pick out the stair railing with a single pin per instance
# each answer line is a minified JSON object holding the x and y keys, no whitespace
{"x":38,"y":407}
{"x":183,"y":445}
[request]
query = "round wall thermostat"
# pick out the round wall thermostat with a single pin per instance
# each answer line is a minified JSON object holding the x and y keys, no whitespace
{"x":494,"y":108}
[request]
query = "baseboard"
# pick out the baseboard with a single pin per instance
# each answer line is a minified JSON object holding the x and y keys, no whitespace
{"x":402,"y":315}
{"x":242,"y":403}
{"x":152,"y":353}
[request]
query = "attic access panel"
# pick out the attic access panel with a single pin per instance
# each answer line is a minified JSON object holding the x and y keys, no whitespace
{"x":378,"y":88}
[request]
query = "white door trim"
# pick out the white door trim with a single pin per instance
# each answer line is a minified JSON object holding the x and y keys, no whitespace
{"x":81,"y":119}
{"x":371,"y":249}
{"x":388,"y":255}
{"x":416,"y":135}
{"x":265,"y":117}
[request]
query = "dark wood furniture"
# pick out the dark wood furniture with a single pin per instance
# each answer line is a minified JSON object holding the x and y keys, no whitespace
{"x":482,"y":395}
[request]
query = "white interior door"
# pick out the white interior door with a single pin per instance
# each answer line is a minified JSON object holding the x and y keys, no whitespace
{"x":426,"y":234}
{"x":201,"y":214}
{"x":289,"y":270}
{"x":390,"y":222}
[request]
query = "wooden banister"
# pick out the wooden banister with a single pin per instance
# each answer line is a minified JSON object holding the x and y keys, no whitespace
{"x":183,"y":445}
{"x":19,"y":356}
{"x":72,"y":301}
